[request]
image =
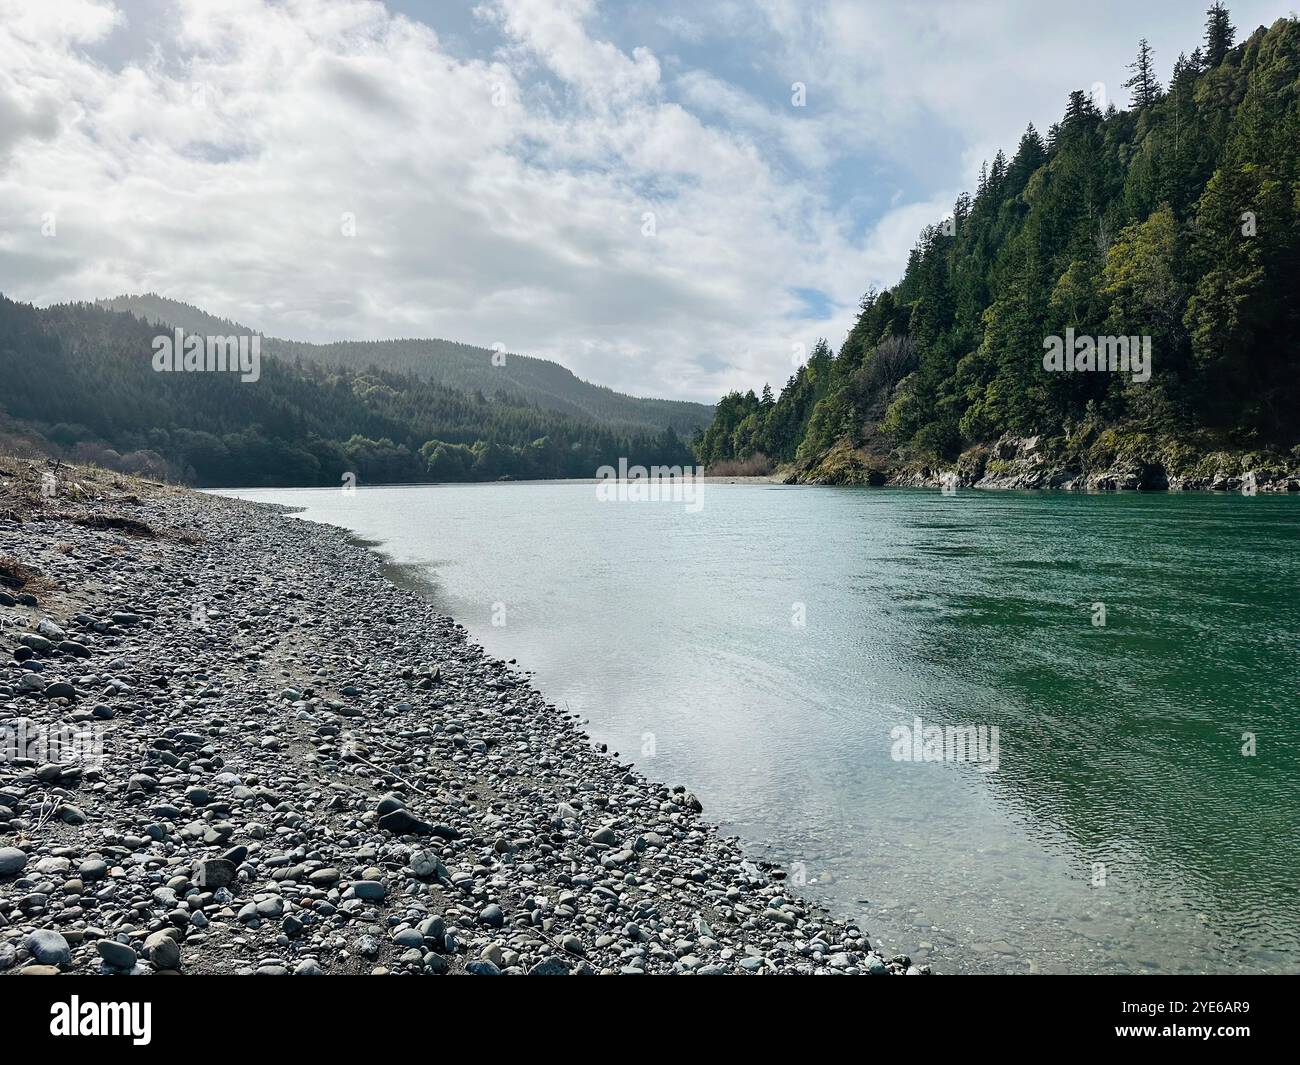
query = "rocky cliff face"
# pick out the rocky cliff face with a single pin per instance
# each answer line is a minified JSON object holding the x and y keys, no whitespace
{"x":1028,"y":463}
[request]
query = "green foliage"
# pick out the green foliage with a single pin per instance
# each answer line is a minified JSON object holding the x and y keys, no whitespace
{"x":517,"y":379}
{"x":1145,"y":85}
{"x":1178,"y":220}
{"x":82,"y":377}
{"x":1219,"y":34}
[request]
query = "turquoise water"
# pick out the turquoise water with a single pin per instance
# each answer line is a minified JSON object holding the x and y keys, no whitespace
{"x":1122,"y":829}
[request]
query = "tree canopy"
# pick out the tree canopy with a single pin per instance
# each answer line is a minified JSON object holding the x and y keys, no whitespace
{"x":1177,"y":220}
{"x":78,"y":380}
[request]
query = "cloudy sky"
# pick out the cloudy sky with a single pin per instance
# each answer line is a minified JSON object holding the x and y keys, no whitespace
{"x":631,"y":189}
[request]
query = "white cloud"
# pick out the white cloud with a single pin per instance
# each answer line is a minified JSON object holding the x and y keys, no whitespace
{"x":501,"y":195}
{"x":78,"y":21}
{"x":904,"y":75}
{"x":221,"y":172}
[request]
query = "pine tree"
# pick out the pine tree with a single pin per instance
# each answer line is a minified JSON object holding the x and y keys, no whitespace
{"x":1185,"y":123}
{"x":998,"y":171}
{"x":1145,"y":85}
{"x":1030,"y":155}
{"x":1080,"y":114}
{"x":1219,"y":34}
{"x":1183,"y":225}
{"x":961,"y":208}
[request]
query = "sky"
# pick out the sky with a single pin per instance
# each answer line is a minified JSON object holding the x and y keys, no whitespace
{"x":671,"y":198}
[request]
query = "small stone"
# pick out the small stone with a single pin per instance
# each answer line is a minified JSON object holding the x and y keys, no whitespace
{"x":327,"y":877}
{"x":164,"y":952}
{"x":12,"y":860}
{"x":388,"y":804}
{"x":272,"y":907}
{"x":48,"y":947}
{"x":402,"y":823}
{"x":93,"y":869}
{"x":213,"y":873}
{"x":116,"y":954}
{"x":408,"y":937}
{"x":423,"y":863}
{"x":71,"y":815}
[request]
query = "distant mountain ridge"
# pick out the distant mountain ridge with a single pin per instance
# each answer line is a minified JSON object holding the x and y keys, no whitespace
{"x":83,"y":383}
{"x":463,"y":367}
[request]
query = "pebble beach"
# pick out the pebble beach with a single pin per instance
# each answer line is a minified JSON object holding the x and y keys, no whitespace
{"x":232,"y":745}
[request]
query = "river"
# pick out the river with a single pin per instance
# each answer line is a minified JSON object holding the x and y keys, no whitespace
{"x":1128,"y":665}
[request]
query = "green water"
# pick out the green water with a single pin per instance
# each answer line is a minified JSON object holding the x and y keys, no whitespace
{"x":1123,"y":829}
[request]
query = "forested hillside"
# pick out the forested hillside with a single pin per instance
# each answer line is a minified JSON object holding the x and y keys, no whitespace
{"x":463,"y":367}
{"x":1176,"y":219}
{"x":78,"y":381}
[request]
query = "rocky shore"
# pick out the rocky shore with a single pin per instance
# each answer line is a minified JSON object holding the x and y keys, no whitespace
{"x":1032,"y":463}
{"x":229,"y":744}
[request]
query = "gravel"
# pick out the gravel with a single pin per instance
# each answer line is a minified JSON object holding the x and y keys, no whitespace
{"x":286,"y":764}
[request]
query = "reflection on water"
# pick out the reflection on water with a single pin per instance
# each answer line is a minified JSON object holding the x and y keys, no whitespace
{"x":1123,"y":829}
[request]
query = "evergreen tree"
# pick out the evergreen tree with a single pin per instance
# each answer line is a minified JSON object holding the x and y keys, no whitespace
{"x":1219,"y":34}
{"x":1181,"y":225}
{"x":300,"y":424}
{"x":1081,"y":113}
{"x":1144,"y":83}
{"x":1030,"y":155}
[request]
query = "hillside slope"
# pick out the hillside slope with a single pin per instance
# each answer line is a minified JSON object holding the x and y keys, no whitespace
{"x":1174,"y":224}
{"x":79,"y":383}
{"x":520,"y":378}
